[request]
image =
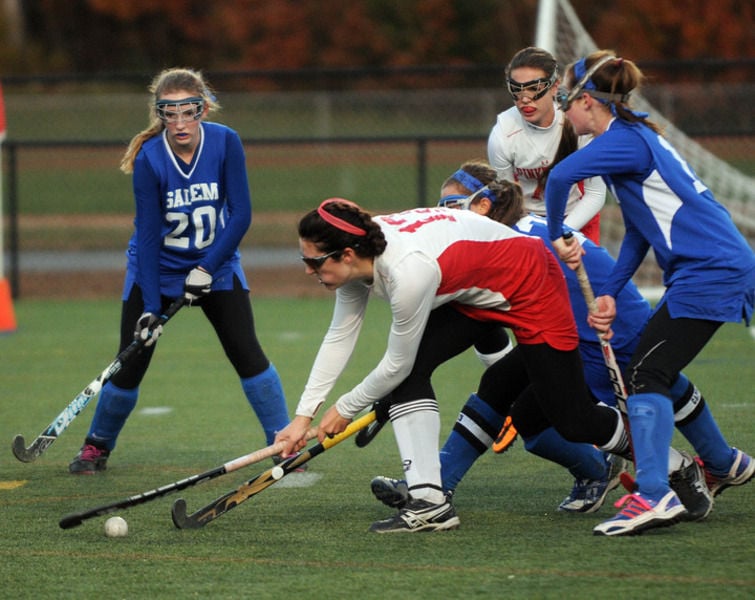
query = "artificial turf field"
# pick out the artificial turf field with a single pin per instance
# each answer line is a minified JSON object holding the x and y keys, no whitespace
{"x":307,"y":535}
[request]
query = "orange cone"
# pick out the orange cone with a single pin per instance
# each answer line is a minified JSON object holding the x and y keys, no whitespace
{"x":7,"y":317}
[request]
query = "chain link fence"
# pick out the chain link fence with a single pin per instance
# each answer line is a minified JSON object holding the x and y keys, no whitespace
{"x":69,"y":210}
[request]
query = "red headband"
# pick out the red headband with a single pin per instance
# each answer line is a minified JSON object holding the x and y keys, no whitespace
{"x":337,"y":222}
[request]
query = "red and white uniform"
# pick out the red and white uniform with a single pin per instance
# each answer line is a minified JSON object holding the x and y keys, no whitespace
{"x":520,"y":151}
{"x":435,"y":256}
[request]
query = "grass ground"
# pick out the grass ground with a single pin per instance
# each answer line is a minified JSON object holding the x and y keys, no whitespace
{"x":308,"y":535}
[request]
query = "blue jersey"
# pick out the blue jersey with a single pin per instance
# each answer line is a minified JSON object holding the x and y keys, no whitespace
{"x":708,"y":266}
{"x":632,"y":310}
{"x":188,"y":215}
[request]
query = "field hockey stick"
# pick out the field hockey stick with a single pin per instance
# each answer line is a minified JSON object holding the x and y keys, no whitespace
{"x":254,"y":486}
{"x":366,"y":435}
{"x":76,"y":519}
{"x":614,"y":372}
{"x":45,"y":439}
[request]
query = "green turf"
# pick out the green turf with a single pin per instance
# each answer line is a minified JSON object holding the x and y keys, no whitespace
{"x":313,"y":542}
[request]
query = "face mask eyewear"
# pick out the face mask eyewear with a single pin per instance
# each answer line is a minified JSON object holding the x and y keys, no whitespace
{"x":177,"y":111}
{"x":565,"y":97}
{"x":531,"y":90}
{"x":461,"y":201}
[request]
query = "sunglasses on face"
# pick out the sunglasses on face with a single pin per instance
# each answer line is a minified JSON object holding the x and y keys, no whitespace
{"x":533,"y":90}
{"x":315,"y":262}
{"x":187,"y":110}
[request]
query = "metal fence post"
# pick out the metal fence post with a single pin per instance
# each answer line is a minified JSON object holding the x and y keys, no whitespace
{"x":421,"y":171}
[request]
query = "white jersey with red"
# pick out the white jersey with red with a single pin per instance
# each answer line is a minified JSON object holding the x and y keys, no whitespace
{"x":522,"y":152}
{"x":435,"y":256}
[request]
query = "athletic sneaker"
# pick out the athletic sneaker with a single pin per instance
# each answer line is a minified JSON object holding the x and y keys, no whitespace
{"x":391,"y":492}
{"x":89,"y":460}
{"x":690,"y":485}
{"x":588,"y":495}
{"x":419,"y":515}
{"x":741,"y":471}
{"x":640,"y":514}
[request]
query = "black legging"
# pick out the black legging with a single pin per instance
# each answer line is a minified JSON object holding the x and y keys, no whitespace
{"x":448,"y":333}
{"x":542,"y":386}
{"x":230,"y":313}
{"x":666,"y":346}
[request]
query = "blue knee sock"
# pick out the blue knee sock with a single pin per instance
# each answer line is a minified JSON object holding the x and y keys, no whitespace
{"x":582,"y":460}
{"x":113,"y":408}
{"x":696,"y":423}
{"x":265,"y":395}
{"x":473,"y":433}
{"x":651,"y":421}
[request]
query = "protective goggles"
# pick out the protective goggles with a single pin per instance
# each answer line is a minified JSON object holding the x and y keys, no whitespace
{"x":315,"y":262}
{"x":461,"y":201}
{"x":532,"y":90}
{"x":565,"y":97}
{"x":175,"y":111}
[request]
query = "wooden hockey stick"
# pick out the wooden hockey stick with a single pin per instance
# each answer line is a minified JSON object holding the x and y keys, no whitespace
{"x":76,"y":519}
{"x":254,"y":486}
{"x":614,"y":372}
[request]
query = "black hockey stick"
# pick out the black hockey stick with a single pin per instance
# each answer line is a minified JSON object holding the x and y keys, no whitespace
{"x":366,"y":435}
{"x":254,"y":486}
{"x":45,"y":439}
{"x":76,"y":519}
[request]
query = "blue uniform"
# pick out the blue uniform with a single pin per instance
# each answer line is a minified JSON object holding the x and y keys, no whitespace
{"x":633,"y":310}
{"x":709,"y":274}
{"x":188,"y":215}
{"x":708,"y":266}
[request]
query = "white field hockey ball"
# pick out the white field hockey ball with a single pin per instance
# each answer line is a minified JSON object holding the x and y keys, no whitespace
{"x":116,"y":527}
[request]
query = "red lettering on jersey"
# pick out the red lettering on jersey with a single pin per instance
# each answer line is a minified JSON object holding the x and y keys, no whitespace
{"x":412,"y":227}
{"x":530,"y":173}
{"x":404,"y":224}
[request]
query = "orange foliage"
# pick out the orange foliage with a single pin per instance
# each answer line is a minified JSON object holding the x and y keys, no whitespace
{"x":293,"y":34}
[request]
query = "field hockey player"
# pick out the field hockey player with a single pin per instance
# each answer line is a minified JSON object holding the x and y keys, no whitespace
{"x":431,"y":264}
{"x":708,"y":272}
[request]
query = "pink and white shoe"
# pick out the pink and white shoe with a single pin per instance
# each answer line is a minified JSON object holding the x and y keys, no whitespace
{"x":640,"y":514}
{"x":742,"y":470}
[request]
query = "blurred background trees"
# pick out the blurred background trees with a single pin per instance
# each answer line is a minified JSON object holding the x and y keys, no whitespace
{"x":137,"y":36}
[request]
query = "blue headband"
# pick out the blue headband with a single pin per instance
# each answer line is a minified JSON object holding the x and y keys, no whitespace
{"x":584,"y":77}
{"x":472,"y":184}
{"x":580,"y":68}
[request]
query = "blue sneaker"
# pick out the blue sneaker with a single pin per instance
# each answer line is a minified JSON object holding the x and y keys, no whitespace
{"x":588,"y":495}
{"x":741,"y":471}
{"x":640,"y":514}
